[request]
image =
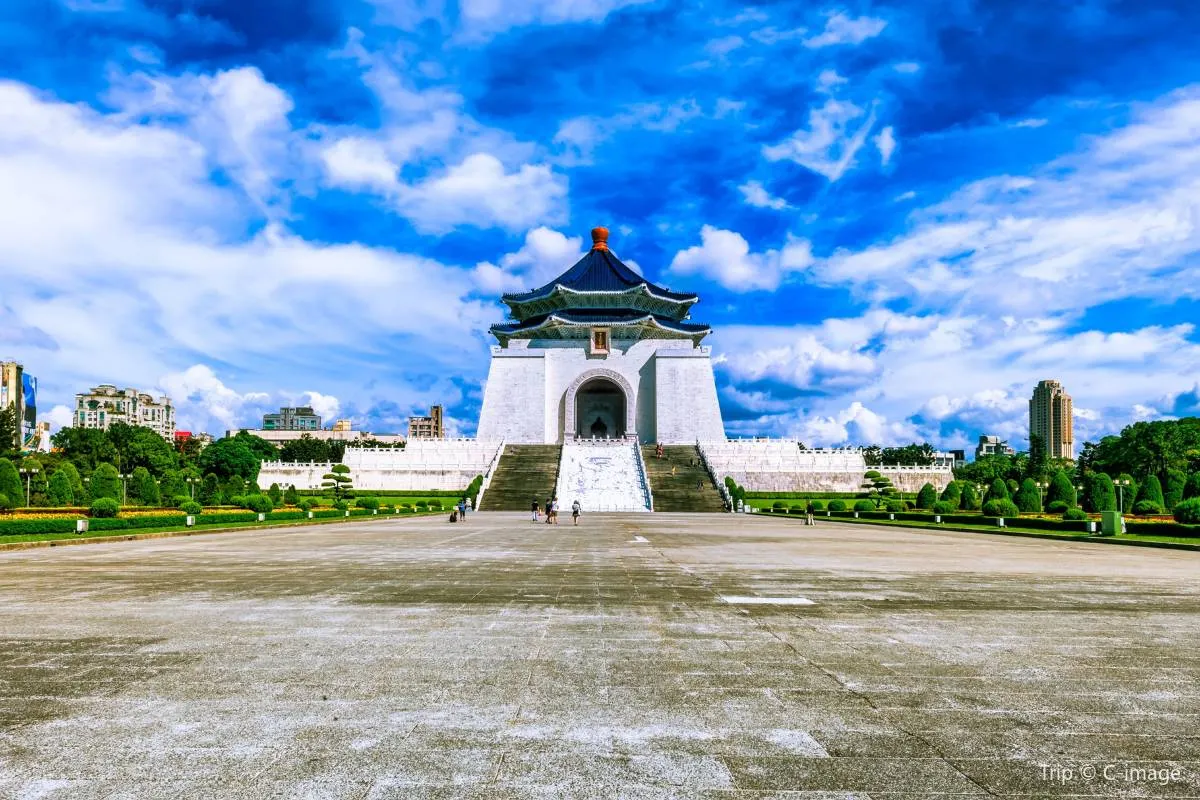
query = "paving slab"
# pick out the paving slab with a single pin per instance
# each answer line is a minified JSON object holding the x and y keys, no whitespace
{"x":639,"y":656}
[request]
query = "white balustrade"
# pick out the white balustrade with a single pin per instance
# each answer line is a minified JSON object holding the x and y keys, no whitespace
{"x":602,"y":476}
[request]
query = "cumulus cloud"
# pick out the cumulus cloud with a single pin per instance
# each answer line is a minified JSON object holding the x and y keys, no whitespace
{"x":118,"y":219}
{"x":488,"y":17}
{"x":836,"y":131}
{"x":725,"y":257}
{"x":841,"y":29}
{"x":1115,"y":220}
{"x":756,"y":195}
{"x":545,"y":254}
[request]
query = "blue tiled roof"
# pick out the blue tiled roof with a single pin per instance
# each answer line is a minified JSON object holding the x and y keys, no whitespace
{"x":600,"y":317}
{"x":599,"y":271}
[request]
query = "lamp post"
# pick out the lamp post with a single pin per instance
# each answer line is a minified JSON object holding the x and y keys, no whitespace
{"x":1042,"y":487}
{"x":1121,"y":495}
{"x":191,"y":482}
{"x":124,"y":499}
{"x":28,"y":473}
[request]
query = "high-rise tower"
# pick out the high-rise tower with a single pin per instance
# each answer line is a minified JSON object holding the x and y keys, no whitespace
{"x":1050,"y":418}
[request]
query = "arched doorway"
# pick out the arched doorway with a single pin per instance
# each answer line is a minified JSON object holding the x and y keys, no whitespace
{"x":599,"y":410}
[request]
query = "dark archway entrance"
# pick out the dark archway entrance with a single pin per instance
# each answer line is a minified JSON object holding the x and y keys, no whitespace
{"x":600,"y":410}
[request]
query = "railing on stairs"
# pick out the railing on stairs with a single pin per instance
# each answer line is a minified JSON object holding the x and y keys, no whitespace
{"x":487,"y":475}
{"x":641,"y":462}
{"x":721,"y":487}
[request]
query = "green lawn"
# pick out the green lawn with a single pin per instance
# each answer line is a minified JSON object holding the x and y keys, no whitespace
{"x":1190,"y":542}
{"x":225,"y":526}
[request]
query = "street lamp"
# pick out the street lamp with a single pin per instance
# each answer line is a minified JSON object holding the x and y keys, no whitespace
{"x":1121,"y":495}
{"x":124,"y":499}
{"x":28,"y":473}
{"x":1042,"y":487}
{"x":191,"y":482}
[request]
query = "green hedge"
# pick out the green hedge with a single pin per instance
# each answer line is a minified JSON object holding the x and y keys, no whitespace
{"x":26,"y":527}
{"x":811,"y":495}
{"x":1162,"y":529}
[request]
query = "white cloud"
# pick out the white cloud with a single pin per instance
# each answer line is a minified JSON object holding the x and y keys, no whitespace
{"x":118,"y":219}
{"x":1030,"y":123}
{"x":486,"y":17}
{"x":325,"y":405}
{"x":829,"y":80}
{"x":909,"y":195}
{"x":1115,"y":220}
{"x":907,"y":67}
{"x":579,"y":136}
{"x":854,"y":425}
{"x":355,"y":162}
{"x":835,"y":133}
{"x":885,"y":142}
{"x":724,"y":256}
{"x":759,"y":197}
{"x":59,"y":417}
{"x":545,"y":254}
{"x":481,"y":192}
{"x":772,"y":35}
{"x":724,"y":46}
{"x":841,"y":29}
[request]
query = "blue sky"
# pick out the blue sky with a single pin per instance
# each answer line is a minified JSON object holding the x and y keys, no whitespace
{"x":899,"y":217}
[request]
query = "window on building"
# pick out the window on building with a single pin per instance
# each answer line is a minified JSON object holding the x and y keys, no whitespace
{"x":600,"y":340}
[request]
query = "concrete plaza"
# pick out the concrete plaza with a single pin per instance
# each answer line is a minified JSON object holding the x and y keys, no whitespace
{"x":645,"y":655}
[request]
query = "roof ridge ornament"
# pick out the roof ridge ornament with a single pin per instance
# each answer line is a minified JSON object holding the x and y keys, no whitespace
{"x":600,"y":238}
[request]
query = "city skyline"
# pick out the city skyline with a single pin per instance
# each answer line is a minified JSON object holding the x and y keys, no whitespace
{"x":893,"y":242}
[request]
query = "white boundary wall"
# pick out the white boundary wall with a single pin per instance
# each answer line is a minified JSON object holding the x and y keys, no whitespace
{"x":779,"y":465}
{"x":425,"y":464}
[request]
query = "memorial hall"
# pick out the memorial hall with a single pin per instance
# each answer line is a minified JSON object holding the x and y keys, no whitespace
{"x":601,"y":390}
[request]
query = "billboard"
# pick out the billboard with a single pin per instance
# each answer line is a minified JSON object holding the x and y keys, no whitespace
{"x":29,"y":422}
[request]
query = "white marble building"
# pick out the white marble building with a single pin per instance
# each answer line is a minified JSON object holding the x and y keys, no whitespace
{"x":600,"y":352}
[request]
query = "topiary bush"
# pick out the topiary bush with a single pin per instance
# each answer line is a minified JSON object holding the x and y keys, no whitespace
{"x":305,"y":504}
{"x":970,"y":497}
{"x":341,"y":505}
{"x":1057,"y":506}
{"x":1028,"y":498}
{"x":952,"y":494}
{"x":1001,"y":508}
{"x":1075,"y":515}
{"x":1147,"y":507}
{"x":370,"y":503}
{"x":944,"y":507}
{"x":179,"y":500}
{"x":898,"y":505}
{"x":837,"y":505}
{"x":435,"y":505}
{"x":104,"y":508}
{"x":927,"y":496}
{"x":191,"y":507}
{"x":818,"y":505}
{"x":779,"y":504}
{"x":260,"y":503}
{"x":422,"y":504}
{"x":998,"y":490}
{"x":864,"y":505}
{"x":1187,"y":512}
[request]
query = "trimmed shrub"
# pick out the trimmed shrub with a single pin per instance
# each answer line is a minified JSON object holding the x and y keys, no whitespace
{"x":435,"y":505}
{"x":239,"y":500}
{"x":952,"y":494}
{"x":341,"y":505}
{"x":143,"y":488}
{"x":1028,"y":499}
{"x":998,"y":490}
{"x":1001,"y":508}
{"x":1173,"y":490}
{"x":191,"y":507}
{"x":1101,"y":494}
{"x":11,"y":485}
{"x":304,"y":505}
{"x":58,"y":490}
{"x":1061,"y":490}
{"x":5,"y":503}
{"x":105,"y":482}
{"x":1057,"y":507}
{"x":927,"y":496}
{"x":779,"y":504}
{"x":178,"y":502}
{"x":864,"y":505}
{"x":970,"y":498}
{"x":290,"y":497}
{"x":1192,"y":487}
{"x":897,"y":505}
{"x":1150,"y":493}
{"x":944,"y":507}
{"x":420,"y":504}
{"x":26,"y":527}
{"x":104,"y":508}
{"x":1075,"y":514}
{"x":837,"y":505}
{"x":275,"y":493}
{"x":1187,"y":512}
{"x":260,"y":503}
{"x":1145,"y":508}
{"x":371,"y":503}
{"x":818,"y":505}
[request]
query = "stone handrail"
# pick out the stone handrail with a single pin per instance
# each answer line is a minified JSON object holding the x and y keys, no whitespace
{"x":487,"y":475}
{"x":641,"y":462}
{"x":720,"y":484}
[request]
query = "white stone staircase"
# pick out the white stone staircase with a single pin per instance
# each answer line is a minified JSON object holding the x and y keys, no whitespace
{"x":602,"y":476}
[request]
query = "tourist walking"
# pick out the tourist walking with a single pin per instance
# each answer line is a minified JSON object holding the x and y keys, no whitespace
{"x":575,"y":509}
{"x":535,"y":510}
{"x":549,"y":510}
{"x":809,"y":510}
